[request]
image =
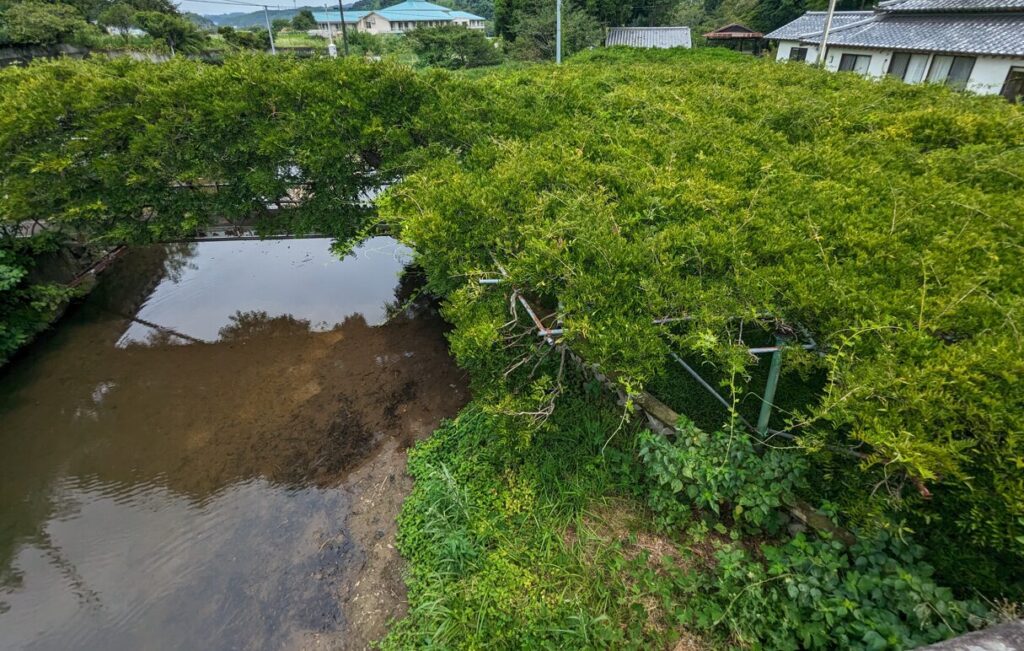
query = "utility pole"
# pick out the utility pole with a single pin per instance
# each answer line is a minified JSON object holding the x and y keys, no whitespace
{"x":344,"y":32}
{"x":332,"y":49}
{"x":558,"y":31}
{"x":824,"y":35}
{"x":270,"y":30}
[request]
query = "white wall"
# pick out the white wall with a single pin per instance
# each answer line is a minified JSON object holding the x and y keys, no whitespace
{"x":786,"y":46}
{"x":987,"y":77}
{"x":989,"y":74}
{"x":374,"y":24}
{"x":879,"y":59}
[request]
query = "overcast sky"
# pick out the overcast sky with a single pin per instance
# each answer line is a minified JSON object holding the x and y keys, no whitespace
{"x":211,"y":7}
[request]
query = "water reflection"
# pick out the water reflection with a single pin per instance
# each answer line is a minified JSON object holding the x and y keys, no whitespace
{"x":160,"y":495}
{"x":215,"y":287}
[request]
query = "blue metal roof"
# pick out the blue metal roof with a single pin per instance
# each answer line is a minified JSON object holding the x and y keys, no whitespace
{"x":409,"y":11}
{"x":332,"y":16}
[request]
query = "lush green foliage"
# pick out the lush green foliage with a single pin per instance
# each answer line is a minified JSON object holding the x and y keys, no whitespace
{"x":886,"y":219}
{"x":531,"y":538}
{"x":711,"y":470}
{"x":26,"y":306}
{"x":248,"y":39}
{"x":804,"y":592}
{"x":453,"y":46}
{"x":304,"y":20}
{"x":179,"y":33}
{"x":133,"y":151}
{"x":119,"y":17}
{"x":623,"y":187}
{"x":37,"y":23}
{"x":529,"y":28}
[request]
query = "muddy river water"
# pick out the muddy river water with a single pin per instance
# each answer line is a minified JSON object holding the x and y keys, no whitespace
{"x":209,"y":452}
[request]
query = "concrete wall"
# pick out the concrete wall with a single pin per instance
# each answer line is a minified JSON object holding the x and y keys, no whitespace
{"x":1005,"y":637}
{"x":16,"y":56}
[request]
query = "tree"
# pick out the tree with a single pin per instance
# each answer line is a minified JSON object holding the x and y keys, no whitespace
{"x":279,"y":23}
{"x":303,"y":21}
{"x":178,"y":33}
{"x":119,"y":17}
{"x":159,"y":6}
{"x":35,"y":23}
{"x":256,"y":39}
{"x":453,"y":46}
{"x":535,"y":33}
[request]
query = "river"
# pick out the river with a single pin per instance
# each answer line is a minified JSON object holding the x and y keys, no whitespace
{"x":209,"y":451}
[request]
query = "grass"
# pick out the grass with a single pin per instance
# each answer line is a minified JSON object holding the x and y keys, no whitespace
{"x":299,"y":40}
{"x":530,"y":541}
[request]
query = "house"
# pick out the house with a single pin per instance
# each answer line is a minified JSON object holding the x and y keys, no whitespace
{"x":397,"y":18}
{"x":737,"y":37}
{"x":977,"y":45}
{"x":648,"y":37}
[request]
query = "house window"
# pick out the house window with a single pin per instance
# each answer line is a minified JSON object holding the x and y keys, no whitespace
{"x":908,"y":67}
{"x":1013,"y":87}
{"x":855,"y":62}
{"x":797,"y":54}
{"x":950,"y":70}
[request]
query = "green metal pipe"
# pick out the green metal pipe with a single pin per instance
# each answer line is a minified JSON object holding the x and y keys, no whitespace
{"x":769,"y":389}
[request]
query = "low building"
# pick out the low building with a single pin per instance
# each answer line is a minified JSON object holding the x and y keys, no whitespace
{"x":648,"y":37}
{"x":737,"y":37}
{"x":977,"y":45}
{"x":397,"y":19}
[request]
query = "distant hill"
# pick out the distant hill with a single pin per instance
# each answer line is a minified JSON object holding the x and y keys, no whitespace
{"x":202,"y":22}
{"x":256,"y":19}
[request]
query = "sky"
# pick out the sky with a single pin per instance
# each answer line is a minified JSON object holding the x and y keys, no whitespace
{"x":212,"y":7}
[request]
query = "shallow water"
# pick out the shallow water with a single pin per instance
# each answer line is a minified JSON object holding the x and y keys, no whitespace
{"x":208,"y":453}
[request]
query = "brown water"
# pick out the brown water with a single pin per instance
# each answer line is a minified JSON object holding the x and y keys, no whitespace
{"x":222,"y":472}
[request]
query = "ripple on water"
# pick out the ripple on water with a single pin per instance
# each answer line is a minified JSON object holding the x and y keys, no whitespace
{"x":134,"y":560}
{"x":158,"y":495}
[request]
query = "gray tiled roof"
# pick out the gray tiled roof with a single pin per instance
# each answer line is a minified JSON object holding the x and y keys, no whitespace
{"x":814,"y":22}
{"x":955,"y":33}
{"x":951,"y":5}
{"x":656,"y":37}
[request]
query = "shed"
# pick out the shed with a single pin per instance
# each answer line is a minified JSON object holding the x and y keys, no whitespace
{"x":649,"y":37}
{"x":737,"y":37}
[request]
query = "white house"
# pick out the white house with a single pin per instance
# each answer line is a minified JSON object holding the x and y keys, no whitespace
{"x":398,"y":18}
{"x":977,"y":45}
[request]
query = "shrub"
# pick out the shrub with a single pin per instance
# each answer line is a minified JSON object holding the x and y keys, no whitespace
{"x":719,"y":472}
{"x":36,"y":23}
{"x":453,"y":46}
{"x":625,"y":187}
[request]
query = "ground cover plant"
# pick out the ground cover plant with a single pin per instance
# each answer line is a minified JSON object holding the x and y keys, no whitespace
{"x":743,"y":198}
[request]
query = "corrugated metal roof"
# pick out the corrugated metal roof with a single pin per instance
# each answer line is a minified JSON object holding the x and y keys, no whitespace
{"x":410,"y":11}
{"x":649,"y":37}
{"x":951,"y":5}
{"x":814,"y":22}
{"x":964,"y":33}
